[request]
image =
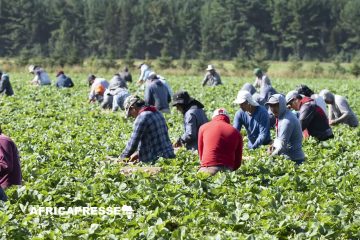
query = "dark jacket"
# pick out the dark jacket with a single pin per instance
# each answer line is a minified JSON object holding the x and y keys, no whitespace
{"x":126,"y":76}
{"x":194,"y":117}
{"x":64,"y":81}
{"x":5,"y":85}
{"x":313,"y":118}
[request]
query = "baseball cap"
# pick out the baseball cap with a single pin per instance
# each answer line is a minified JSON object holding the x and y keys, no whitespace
{"x":245,"y":96}
{"x":220,"y":111}
{"x":129,"y":102}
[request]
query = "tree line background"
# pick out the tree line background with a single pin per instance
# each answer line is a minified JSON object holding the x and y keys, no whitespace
{"x":68,"y":31}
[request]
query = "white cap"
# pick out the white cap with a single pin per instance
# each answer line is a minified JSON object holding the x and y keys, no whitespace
{"x":31,"y":68}
{"x":220,"y":111}
{"x":245,"y":96}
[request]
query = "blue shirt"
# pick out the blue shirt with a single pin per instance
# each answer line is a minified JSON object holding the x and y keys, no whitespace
{"x":157,"y":94}
{"x":257,"y":126}
{"x":150,"y":137}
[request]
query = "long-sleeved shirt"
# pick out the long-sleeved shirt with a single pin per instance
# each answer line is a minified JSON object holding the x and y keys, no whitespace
{"x":257,"y":126}
{"x":119,"y":98}
{"x":212,"y":79}
{"x":145,"y":70}
{"x":41,"y":77}
{"x":194,"y":118}
{"x":5,"y":85}
{"x":313,"y":118}
{"x":117,"y":82}
{"x":260,"y":82}
{"x":126,"y":76}
{"x":157,"y":94}
{"x":288,"y":141}
{"x":95,"y":84}
{"x":220,"y":144}
{"x":10,"y":172}
{"x":150,"y":137}
{"x":340,"y":112}
{"x":266,"y":91}
{"x":64,"y":81}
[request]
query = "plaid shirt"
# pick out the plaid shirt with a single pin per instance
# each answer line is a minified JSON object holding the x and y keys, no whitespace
{"x":150,"y":137}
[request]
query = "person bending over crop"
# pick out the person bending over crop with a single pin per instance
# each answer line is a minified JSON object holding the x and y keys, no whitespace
{"x":254,"y":118}
{"x":312,"y":117}
{"x":97,"y":88}
{"x":150,"y":139}
{"x":63,"y":81}
{"x":220,"y":144}
{"x":40,"y":76}
{"x":212,"y":78}
{"x":307,"y":92}
{"x":339,"y":109}
{"x":157,"y":94}
{"x":117,"y":84}
{"x":261,"y":79}
{"x":288,"y":141}
{"x":5,"y":85}
{"x":10,"y":171}
{"x":194,"y":117}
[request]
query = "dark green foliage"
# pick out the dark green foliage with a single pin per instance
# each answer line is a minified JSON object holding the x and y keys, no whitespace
{"x":72,"y":30}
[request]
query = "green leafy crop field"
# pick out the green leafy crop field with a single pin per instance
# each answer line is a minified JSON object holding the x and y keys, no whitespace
{"x":63,"y":142}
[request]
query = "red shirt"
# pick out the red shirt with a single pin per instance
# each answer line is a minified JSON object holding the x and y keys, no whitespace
{"x":220,"y":144}
{"x":10,"y":172}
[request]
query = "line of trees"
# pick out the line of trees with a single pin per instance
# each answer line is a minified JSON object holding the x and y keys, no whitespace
{"x":70,"y":30}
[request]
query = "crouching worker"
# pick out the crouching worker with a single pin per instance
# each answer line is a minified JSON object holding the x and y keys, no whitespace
{"x":40,"y":76}
{"x":288,"y":141}
{"x":5,"y":85}
{"x":220,"y":144}
{"x":312,"y":117}
{"x":150,"y":139}
{"x":63,"y":81}
{"x":194,"y":117}
{"x":97,"y":88}
{"x":339,"y":109}
{"x":10,"y":171}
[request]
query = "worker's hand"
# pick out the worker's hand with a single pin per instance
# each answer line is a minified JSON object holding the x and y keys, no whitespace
{"x":92,"y":100}
{"x":134,"y":158}
{"x":177,"y":144}
{"x":270,"y":149}
{"x":140,"y":82}
{"x":332,"y":122}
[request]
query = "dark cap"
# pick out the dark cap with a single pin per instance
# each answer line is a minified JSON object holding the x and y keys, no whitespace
{"x":59,"y":73}
{"x":181,"y":97}
{"x":91,"y":77}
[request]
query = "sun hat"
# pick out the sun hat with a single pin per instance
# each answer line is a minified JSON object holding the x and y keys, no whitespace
{"x":210,"y":67}
{"x":273,"y":100}
{"x":129,"y":102}
{"x":181,"y":97}
{"x":245,"y":96}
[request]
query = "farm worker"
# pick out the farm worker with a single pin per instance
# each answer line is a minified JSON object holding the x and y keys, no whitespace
{"x":150,"y":139}
{"x":119,"y":97}
{"x":41,"y":77}
{"x":10,"y":171}
{"x":116,"y":82}
{"x":194,"y":117}
{"x":261,"y":79}
{"x":5,"y":85}
{"x":254,"y":118}
{"x":248,"y":87}
{"x":212,"y":78}
{"x":312,"y":117}
{"x":153,"y":75}
{"x":339,"y":109}
{"x":157,"y":94}
{"x":97,"y":88}
{"x":126,"y":75}
{"x":220,"y":144}
{"x":288,"y":141}
{"x":63,"y":81}
{"x":145,"y":70}
{"x":306,"y":91}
